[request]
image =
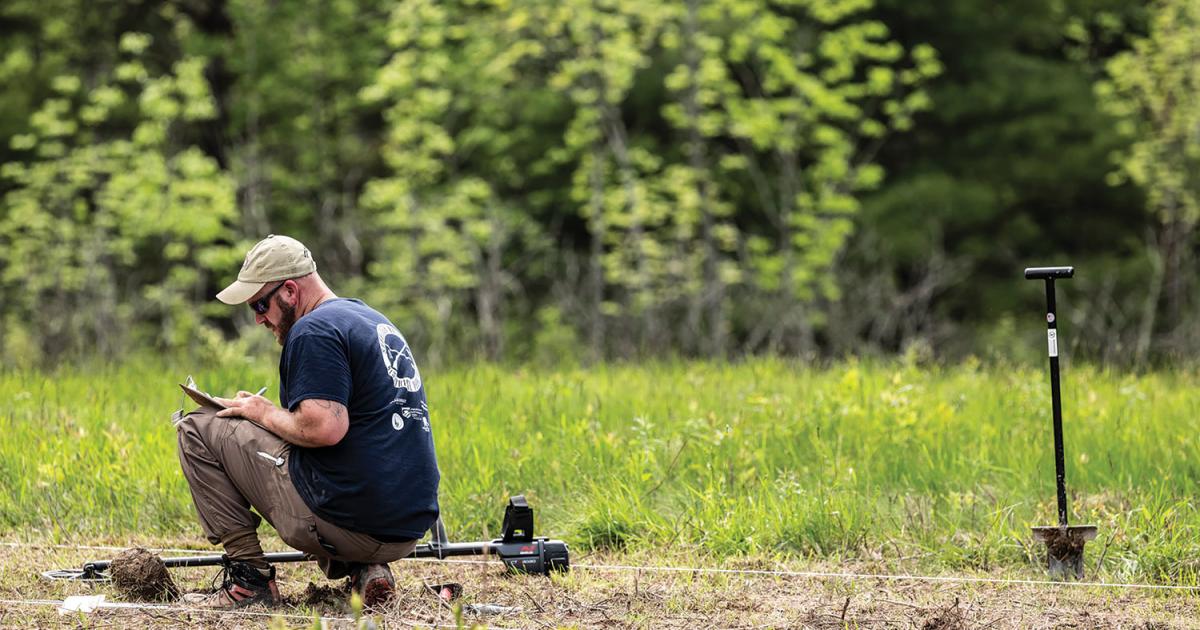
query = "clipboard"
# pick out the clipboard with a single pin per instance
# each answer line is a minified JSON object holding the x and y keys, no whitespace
{"x":200,"y":398}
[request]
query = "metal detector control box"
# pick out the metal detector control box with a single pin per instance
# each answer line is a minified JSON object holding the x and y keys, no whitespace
{"x":517,"y":547}
{"x":520,"y":551}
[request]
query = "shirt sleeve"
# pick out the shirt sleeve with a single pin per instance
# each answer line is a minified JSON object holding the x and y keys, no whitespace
{"x":318,"y":367}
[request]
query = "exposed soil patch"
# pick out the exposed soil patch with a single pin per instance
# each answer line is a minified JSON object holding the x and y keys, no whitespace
{"x":333,"y":597}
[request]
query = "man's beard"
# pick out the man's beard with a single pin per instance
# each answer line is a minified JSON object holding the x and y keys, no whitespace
{"x":287,"y":317}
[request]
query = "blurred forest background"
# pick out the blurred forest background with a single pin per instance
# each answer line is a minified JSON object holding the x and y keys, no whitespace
{"x":606,"y":179}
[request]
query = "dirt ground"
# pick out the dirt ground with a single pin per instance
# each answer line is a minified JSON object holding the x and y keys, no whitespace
{"x":606,"y":598}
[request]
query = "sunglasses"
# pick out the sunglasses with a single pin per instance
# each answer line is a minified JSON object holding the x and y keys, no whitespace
{"x":263,"y":304}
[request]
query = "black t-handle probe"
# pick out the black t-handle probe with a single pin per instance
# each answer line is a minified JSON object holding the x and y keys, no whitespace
{"x":1064,"y":543}
{"x":1049,"y":274}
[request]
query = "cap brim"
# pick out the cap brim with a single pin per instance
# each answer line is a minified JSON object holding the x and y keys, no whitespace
{"x":239,"y":292}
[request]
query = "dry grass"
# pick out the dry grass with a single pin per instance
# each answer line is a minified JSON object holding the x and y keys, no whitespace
{"x":613,"y":599}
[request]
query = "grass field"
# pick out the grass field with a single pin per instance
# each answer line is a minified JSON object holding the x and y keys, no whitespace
{"x":929,"y":468}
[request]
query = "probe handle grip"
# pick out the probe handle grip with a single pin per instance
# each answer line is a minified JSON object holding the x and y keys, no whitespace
{"x":1048,"y":273}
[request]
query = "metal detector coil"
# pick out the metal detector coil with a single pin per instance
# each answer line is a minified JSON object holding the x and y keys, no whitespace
{"x":518,"y":549}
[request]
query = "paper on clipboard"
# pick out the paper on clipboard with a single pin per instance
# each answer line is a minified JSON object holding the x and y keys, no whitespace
{"x":201,"y":398}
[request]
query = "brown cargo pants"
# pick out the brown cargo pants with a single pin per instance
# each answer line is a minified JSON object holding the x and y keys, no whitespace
{"x":233,"y":465}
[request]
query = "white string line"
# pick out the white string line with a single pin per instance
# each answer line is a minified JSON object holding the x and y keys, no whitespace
{"x":17,"y":545}
{"x":885,"y":576}
{"x":184,"y":609}
{"x":166,"y":608}
{"x":762,"y":572}
{"x":848,"y":576}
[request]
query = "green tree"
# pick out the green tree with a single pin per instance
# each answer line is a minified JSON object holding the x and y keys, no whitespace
{"x":290,"y":126}
{"x":450,"y":233}
{"x":786,"y":103}
{"x":599,"y":49}
{"x":1154,"y":92}
{"x":112,"y":217}
{"x":704,"y":176}
{"x":808,"y":93}
{"x":1006,"y":170}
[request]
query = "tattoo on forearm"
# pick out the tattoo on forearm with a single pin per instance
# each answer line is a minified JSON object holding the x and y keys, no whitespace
{"x":337,"y":408}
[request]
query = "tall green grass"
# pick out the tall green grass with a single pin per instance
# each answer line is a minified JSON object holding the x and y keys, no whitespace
{"x":944,"y":467}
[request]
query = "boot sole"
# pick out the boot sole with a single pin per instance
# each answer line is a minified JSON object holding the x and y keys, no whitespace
{"x":378,"y":592}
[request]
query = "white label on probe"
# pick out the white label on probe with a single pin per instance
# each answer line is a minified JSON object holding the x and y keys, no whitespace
{"x":1052,"y":338}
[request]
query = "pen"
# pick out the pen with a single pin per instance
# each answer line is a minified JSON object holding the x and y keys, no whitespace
{"x":260,"y":392}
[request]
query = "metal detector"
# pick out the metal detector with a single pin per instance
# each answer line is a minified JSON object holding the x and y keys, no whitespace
{"x":517,"y":549}
{"x":1064,"y":543}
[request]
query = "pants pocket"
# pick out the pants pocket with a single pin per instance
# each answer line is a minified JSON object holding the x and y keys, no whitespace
{"x":274,"y":459}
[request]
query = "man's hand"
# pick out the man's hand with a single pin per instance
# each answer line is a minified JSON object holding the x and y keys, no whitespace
{"x":247,"y":405}
{"x":315,"y":423}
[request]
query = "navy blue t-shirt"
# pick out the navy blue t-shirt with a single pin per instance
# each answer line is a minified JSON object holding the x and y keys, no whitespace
{"x":382,"y":478}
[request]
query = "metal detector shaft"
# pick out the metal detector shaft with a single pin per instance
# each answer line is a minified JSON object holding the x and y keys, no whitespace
{"x":421,"y":551}
{"x":518,"y":549}
{"x":95,"y":568}
{"x":1049,"y":274}
{"x":538,"y":555}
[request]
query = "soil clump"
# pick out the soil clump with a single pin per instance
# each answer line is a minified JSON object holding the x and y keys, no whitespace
{"x":142,"y":576}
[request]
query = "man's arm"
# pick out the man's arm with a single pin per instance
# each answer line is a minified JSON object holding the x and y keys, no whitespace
{"x":315,"y":422}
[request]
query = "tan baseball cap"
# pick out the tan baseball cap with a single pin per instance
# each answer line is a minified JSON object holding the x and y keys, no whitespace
{"x":271,"y":259}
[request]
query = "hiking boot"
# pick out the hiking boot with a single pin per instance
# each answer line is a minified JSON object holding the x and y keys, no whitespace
{"x":374,"y":582}
{"x":241,"y":585}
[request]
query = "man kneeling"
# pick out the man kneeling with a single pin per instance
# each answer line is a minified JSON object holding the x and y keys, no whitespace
{"x":345,"y":470}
